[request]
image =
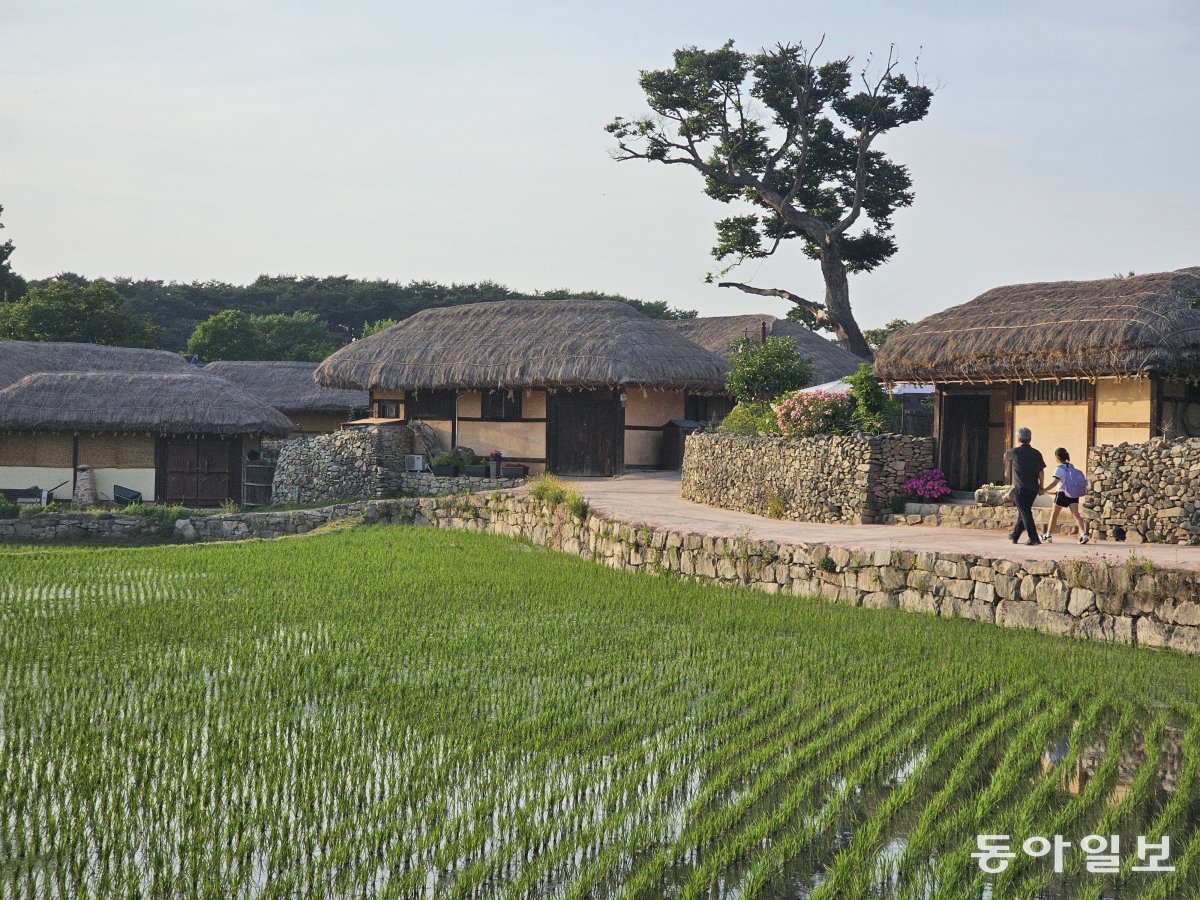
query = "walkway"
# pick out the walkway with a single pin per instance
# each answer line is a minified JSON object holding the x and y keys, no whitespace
{"x":653,"y":498}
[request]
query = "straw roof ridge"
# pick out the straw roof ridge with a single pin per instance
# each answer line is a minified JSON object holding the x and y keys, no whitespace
{"x":287,"y":385}
{"x":525,"y":344}
{"x":716,"y":333}
{"x":21,"y":358}
{"x":194,"y":403}
{"x":1126,"y":327}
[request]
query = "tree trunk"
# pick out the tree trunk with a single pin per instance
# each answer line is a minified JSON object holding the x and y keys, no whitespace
{"x":837,"y":302}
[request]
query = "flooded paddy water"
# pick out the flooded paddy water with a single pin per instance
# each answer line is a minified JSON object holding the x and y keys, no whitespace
{"x":384,"y":713}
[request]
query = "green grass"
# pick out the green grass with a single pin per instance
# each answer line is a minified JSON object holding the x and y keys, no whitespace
{"x":398,"y":712}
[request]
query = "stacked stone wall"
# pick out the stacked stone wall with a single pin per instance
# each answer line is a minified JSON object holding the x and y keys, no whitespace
{"x":353,"y":462}
{"x":849,"y":478}
{"x":1147,"y":492}
{"x":1132,"y":602}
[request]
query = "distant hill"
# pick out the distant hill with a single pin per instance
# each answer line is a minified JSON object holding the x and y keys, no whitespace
{"x":345,"y":303}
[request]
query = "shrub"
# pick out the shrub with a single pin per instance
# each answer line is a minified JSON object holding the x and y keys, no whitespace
{"x":761,"y":372}
{"x":556,"y":492}
{"x":8,"y":509}
{"x":444,"y":459}
{"x":750,"y":419}
{"x":875,"y":412}
{"x":809,"y":413}
{"x":896,"y":503}
{"x":928,"y":485}
{"x":776,"y":507}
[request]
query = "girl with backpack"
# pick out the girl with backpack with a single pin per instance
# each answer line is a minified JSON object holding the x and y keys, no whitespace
{"x":1071,"y":485}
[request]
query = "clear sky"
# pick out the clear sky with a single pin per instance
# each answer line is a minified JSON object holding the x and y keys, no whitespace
{"x":464,"y":141}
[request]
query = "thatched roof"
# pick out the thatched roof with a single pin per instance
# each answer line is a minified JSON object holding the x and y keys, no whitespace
{"x":525,"y":344}
{"x":716,"y":333}
{"x":21,"y":358}
{"x":1134,"y":326}
{"x":287,"y":386}
{"x":192,"y":403}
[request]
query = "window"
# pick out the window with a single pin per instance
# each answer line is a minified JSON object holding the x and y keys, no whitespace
{"x":430,"y":404}
{"x":1069,"y":391}
{"x":705,"y":408}
{"x":389,"y":409}
{"x":501,"y":406}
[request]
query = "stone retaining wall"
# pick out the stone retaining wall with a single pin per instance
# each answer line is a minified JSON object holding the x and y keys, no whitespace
{"x":968,"y":515}
{"x":1145,"y":492}
{"x":353,"y":462}
{"x":81,"y":527}
{"x":1132,"y":602}
{"x":430,"y":485}
{"x":848,"y":478}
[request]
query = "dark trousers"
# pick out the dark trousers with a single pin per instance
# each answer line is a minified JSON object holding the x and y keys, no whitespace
{"x":1024,"y":499}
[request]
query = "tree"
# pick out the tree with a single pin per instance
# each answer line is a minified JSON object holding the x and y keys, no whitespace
{"x":875,"y":411}
{"x":758,"y":373}
{"x":807,"y":163}
{"x":65,"y":311}
{"x":377,"y":326}
{"x":233,"y":334}
{"x":877,"y":337}
{"x":12,"y":285}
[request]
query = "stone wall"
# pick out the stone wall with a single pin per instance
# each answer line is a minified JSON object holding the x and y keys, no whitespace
{"x":429,"y":485}
{"x":848,"y":478}
{"x":353,"y":462}
{"x":81,"y":527}
{"x":1145,"y":492}
{"x":1130,"y":603}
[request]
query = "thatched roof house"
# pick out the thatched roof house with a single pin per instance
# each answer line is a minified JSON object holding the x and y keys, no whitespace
{"x":716,"y":333}
{"x":569,"y":344}
{"x":289,"y":387}
{"x":1136,"y":326}
{"x":575,"y":386}
{"x":21,"y":358}
{"x":176,"y":404}
{"x":136,"y":420}
{"x":1080,"y":363}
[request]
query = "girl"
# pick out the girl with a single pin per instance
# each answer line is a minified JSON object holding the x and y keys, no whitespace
{"x":1071,"y":486}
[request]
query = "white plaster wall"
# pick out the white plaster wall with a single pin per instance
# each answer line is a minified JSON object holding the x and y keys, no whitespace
{"x":44,"y":477}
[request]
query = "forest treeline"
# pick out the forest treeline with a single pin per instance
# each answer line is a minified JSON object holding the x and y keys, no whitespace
{"x":345,"y":304}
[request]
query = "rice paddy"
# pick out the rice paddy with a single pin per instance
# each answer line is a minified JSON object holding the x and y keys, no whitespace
{"x":412,"y":713}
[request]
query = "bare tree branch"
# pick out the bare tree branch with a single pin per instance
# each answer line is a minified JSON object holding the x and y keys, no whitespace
{"x":819,"y":313}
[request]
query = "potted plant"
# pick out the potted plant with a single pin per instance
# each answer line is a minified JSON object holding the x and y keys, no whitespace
{"x":476,"y":468}
{"x":514,"y":470}
{"x":444,"y":466}
{"x":494,"y":460}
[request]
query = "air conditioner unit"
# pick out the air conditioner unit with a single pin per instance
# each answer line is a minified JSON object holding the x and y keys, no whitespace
{"x":415,"y":462}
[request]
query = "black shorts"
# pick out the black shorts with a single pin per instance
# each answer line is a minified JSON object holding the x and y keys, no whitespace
{"x":1061,"y":499}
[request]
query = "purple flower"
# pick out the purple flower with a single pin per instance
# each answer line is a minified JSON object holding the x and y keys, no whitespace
{"x":928,"y":485}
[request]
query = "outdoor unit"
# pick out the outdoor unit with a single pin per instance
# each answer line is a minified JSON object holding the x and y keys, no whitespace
{"x":415,"y":462}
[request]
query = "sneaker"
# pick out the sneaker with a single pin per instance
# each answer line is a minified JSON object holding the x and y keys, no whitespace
{"x":1084,"y":538}
{"x":1032,"y":543}
{"x":1013,"y":538}
{"x":1047,"y":538}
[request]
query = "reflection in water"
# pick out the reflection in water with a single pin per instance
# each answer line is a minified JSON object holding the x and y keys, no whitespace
{"x":1092,"y":754}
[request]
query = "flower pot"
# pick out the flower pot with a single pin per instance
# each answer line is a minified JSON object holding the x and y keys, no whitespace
{"x":514,"y":470}
{"x":479,"y":471}
{"x":445,"y":471}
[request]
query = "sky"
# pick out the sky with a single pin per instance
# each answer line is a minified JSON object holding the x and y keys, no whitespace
{"x":463,"y":141}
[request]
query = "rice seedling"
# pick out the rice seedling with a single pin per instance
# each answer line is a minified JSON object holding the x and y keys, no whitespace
{"x":397,"y":712}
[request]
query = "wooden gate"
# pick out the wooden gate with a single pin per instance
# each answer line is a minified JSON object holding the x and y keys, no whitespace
{"x":585,"y":433}
{"x":964,"y":444}
{"x":199,"y":471}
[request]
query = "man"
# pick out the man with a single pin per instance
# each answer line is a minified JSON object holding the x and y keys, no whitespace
{"x":1028,"y":469}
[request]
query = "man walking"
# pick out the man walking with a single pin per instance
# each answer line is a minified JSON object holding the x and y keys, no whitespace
{"x":1027,"y":473}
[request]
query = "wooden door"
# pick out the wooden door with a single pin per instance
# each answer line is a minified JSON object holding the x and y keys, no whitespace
{"x":964,"y":444}
{"x":586,"y":433}
{"x":181,"y":472}
{"x":213,"y":470}
{"x":199,"y":471}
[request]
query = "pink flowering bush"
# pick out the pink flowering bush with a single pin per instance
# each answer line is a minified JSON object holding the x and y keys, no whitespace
{"x":927,"y":486}
{"x":809,"y":413}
